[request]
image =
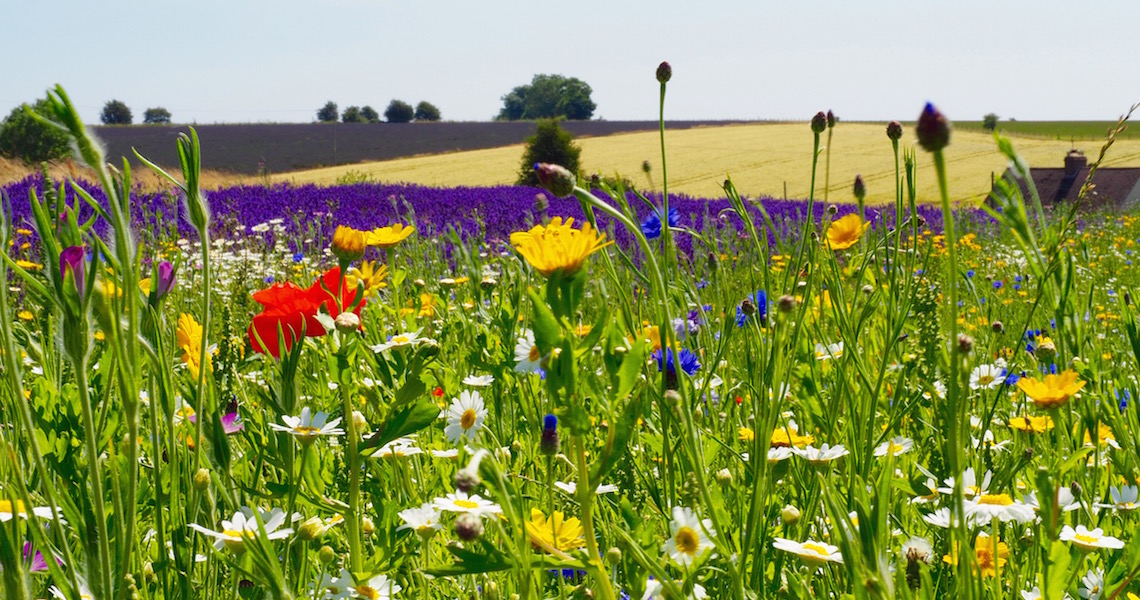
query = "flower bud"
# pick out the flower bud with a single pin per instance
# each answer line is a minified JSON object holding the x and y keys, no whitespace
{"x":164,"y":279}
{"x":347,"y":322}
{"x":894,"y":130}
{"x":786,"y":303}
{"x":965,"y":344}
{"x":468,"y":526}
{"x":646,"y":167}
{"x":868,"y":289}
{"x":748,"y":307}
{"x":148,"y":571}
{"x":832,"y":210}
{"x":933,"y":129}
{"x":73,"y":262}
{"x":790,"y":515}
{"x":311,"y":529}
{"x":724,"y":477}
{"x":488,"y":283}
{"x":819,"y":122}
{"x":1046,"y":350}
{"x":419,"y":283}
{"x":367,"y":526}
{"x":664,"y":72}
{"x":466,"y":480}
{"x":555,"y":179}
{"x":359,"y":422}
{"x":326,"y":554}
{"x":202,"y":480}
{"x":831,"y":119}
{"x":860,"y":188}
{"x":998,"y":327}
{"x":549,"y":443}
{"x":613,"y":556}
{"x":1075,"y":488}
{"x":348,"y":244}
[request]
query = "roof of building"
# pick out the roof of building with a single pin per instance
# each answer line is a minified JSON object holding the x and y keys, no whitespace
{"x":1119,"y":187}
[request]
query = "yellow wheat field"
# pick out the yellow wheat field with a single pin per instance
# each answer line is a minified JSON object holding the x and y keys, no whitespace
{"x":760,"y":158}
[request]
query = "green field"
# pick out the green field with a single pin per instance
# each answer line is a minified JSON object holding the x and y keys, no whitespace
{"x":1053,"y":130}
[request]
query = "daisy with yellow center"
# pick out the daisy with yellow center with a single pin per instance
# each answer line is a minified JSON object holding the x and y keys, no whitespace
{"x":556,"y":533}
{"x":811,"y":552}
{"x":1029,"y":424}
{"x":845,"y":232}
{"x":465,"y":417}
{"x":423,"y":520}
{"x":1087,"y":541}
{"x":528,"y":358}
{"x":557,"y":246}
{"x":9,"y":509}
{"x":987,"y":507}
{"x":460,"y":502}
{"x":687,"y":536}
{"x":1053,"y":391}
{"x":308,"y":426}
{"x":243,"y":526}
{"x":188,"y":338}
{"x":991,"y":556}
{"x":387,"y":237}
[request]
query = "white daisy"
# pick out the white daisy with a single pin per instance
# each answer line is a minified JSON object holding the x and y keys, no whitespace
{"x":655,"y":590}
{"x":1089,"y":540}
{"x":989,"y":441}
{"x":687,"y":536}
{"x":400,"y":340}
{"x":941,"y":518}
{"x":1092,"y":584}
{"x":986,"y":377}
{"x":8,"y":509}
{"x":399,"y":448}
{"x":970,"y":487}
{"x":448,"y":453}
{"x":460,"y":502}
{"x":776,"y":455}
{"x":308,"y":427}
{"x":423,"y":520}
{"x":479,"y":380}
{"x":822,"y":455}
{"x":84,"y":592}
{"x":344,"y":586}
{"x":829,"y":351}
{"x":813,"y":553}
{"x":528,"y":358}
{"x":1124,"y":498}
{"x":1002,"y":506}
{"x":465,"y":417}
{"x":243,"y":526}
{"x":1065,"y":500}
{"x":572,"y":487}
{"x":894,"y":446}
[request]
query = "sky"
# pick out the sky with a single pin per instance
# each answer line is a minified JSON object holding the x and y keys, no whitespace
{"x":215,"y":61}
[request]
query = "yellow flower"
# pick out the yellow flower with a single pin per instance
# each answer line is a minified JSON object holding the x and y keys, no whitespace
{"x":1053,"y":391}
{"x":348,"y":243}
{"x":845,"y":232}
{"x":784,"y":437}
{"x":387,"y":237}
{"x":745,"y":434}
{"x":989,"y":561}
{"x":28,"y":265}
{"x":189,"y":339}
{"x":372,"y":274}
{"x":558,"y":532}
{"x":558,"y":246}
{"x":651,"y":334}
{"x":25,"y":315}
{"x":1032,"y":424}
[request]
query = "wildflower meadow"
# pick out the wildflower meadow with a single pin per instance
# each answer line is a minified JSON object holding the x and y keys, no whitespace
{"x":584,"y":391}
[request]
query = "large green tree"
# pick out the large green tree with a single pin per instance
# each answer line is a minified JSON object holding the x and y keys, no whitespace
{"x":24,"y":137}
{"x":549,"y":144}
{"x":548,"y":97}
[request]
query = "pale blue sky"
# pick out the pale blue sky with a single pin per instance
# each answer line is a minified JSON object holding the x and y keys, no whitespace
{"x":279,"y":60}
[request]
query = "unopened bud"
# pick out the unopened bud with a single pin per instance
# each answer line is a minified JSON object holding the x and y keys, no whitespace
{"x":998,"y":327}
{"x":367,"y":526}
{"x":311,"y":529}
{"x":965,"y":344}
{"x":664,"y":72}
{"x":868,"y":289}
{"x":359,"y":422}
{"x":724,"y":477}
{"x":832,"y":210}
{"x":748,"y":307}
{"x":347,"y":322}
{"x":786,"y":303}
{"x":549,"y":443}
{"x":419,"y":283}
{"x":646,"y":167}
{"x":466,"y":480}
{"x":326,"y":554}
{"x":1127,"y":299}
{"x":860,"y":188}
{"x":933,"y":129}
{"x":613,"y":556}
{"x":672,"y":399}
{"x":488,"y":283}
{"x":202,"y":480}
{"x":1046,"y":350}
{"x":831,"y":119}
{"x":819,"y":122}
{"x":790,"y":515}
{"x":894,"y":130}
{"x":148,"y":571}
{"x":468,"y":526}
{"x":1075,"y":488}
{"x":555,"y":179}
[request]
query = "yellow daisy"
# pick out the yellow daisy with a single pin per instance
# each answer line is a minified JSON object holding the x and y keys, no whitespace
{"x":845,"y":232}
{"x":557,"y":532}
{"x":1053,"y":391}
{"x":558,"y":246}
{"x":387,"y":237}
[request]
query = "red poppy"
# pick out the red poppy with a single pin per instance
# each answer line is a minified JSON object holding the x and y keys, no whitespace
{"x":437,"y":392}
{"x":293,"y":310}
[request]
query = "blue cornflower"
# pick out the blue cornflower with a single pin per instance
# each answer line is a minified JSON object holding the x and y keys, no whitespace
{"x":970,"y":274}
{"x":269,"y":279}
{"x":651,"y":226}
{"x":665,"y":362}
{"x":298,"y":257}
{"x":997,"y":284}
{"x":760,"y":301}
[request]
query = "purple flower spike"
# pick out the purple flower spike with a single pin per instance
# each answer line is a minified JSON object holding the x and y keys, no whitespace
{"x":74,"y":260}
{"x":165,"y":279}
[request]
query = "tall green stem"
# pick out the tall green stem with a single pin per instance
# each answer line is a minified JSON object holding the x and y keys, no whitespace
{"x":101,"y":570}
{"x":604,"y":589}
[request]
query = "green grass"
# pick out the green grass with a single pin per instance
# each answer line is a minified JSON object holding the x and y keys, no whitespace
{"x":1053,"y":130}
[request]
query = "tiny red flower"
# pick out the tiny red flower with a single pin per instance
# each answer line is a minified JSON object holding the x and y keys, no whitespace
{"x":437,"y":392}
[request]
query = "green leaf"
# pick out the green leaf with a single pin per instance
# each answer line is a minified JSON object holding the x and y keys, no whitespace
{"x":630,"y":371}
{"x":407,"y":420}
{"x":547,"y":333}
{"x":620,"y":435}
{"x":1057,"y":568}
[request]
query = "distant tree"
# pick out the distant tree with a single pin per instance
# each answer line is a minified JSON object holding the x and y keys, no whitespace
{"x":369,"y":114}
{"x":426,"y":111}
{"x":399,"y":111}
{"x":116,"y":112}
{"x":328,"y":113}
{"x":549,"y":144}
{"x":989,"y":122}
{"x":156,"y":116}
{"x":24,"y":137}
{"x":549,"y":96}
{"x":352,"y":114}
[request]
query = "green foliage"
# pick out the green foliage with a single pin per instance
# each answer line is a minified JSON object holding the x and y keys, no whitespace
{"x":549,"y":96}
{"x":353,"y":114}
{"x":116,"y":112}
{"x":399,"y":111}
{"x":550,"y":144}
{"x":426,"y":111}
{"x":25,"y":138}
{"x":156,"y":116}
{"x":369,"y":114}
{"x":989,"y":122}
{"x":328,"y":113}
